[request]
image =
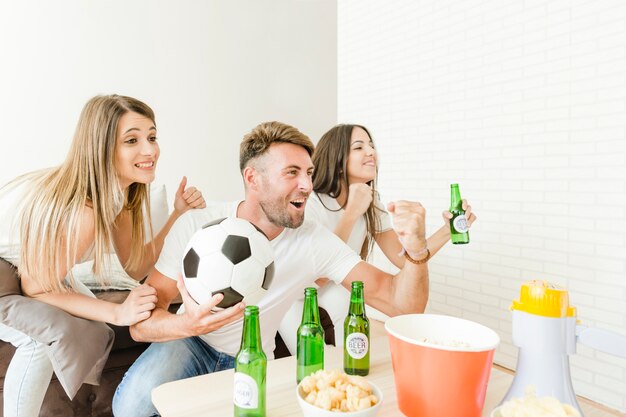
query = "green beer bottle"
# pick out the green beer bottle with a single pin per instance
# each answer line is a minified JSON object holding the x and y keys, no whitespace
{"x":250,"y":368}
{"x":310,"y":343}
{"x":356,"y":335}
{"x":459,"y":230}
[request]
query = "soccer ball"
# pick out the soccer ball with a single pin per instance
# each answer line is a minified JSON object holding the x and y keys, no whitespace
{"x":229,"y":256}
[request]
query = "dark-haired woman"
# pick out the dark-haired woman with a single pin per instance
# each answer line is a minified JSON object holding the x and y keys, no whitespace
{"x":346,"y":201}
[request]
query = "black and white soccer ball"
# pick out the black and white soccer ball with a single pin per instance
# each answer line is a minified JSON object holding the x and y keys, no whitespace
{"x":229,"y":256}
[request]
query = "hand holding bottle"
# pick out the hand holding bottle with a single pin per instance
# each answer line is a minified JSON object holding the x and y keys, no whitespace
{"x":460,"y":221}
{"x":469,"y":215}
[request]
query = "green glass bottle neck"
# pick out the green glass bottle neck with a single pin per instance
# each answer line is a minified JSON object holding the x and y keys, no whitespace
{"x":357,"y":305}
{"x":455,"y":198}
{"x":310,"y":312}
{"x":251,"y":332}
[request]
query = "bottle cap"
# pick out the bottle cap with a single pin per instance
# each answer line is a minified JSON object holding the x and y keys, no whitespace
{"x":310,"y":291}
{"x":357,"y":284}
{"x":542,"y":298}
{"x":454,"y":185}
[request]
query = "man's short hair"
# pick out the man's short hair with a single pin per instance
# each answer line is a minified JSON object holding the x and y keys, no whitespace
{"x":258,"y":141}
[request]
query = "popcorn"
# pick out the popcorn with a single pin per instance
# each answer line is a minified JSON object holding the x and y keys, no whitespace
{"x":531,"y":405}
{"x":336,"y":391}
{"x":449,"y":343}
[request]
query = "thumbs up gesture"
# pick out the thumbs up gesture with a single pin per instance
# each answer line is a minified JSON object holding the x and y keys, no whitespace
{"x":187,"y":198}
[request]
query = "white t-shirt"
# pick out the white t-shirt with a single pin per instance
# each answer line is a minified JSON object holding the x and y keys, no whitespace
{"x":325,"y":210}
{"x":300,"y":257}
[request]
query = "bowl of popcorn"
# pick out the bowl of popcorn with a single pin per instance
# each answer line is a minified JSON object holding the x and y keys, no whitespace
{"x":532,"y":405}
{"x":437,"y":358}
{"x":333,"y":392}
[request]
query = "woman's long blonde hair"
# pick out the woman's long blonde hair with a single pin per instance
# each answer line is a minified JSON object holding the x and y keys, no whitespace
{"x":331,"y":175}
{"x":51,"y":217}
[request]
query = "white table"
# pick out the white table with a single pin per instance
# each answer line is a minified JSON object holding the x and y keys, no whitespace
{"x":211,"y":395}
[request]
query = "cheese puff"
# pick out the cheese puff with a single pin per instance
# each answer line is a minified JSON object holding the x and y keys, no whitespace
{"x":360,"y":382}
{"x":308,"y":384}
{"x":311,"y":397}
{"x":352,"y":391}
{"x":323,"y":400}
{"x":364,"y":403}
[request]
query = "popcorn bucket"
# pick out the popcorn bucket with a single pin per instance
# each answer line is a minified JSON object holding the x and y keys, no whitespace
{"x":441,"y":364}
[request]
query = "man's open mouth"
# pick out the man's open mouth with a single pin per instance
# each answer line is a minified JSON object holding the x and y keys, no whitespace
{"x":298,"y":203}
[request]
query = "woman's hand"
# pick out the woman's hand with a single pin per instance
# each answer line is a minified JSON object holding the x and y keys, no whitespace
{"x":186,"y":199}
{"x":359,"y":199}
{"x":471,"y":217}
{"x":137,"y":307}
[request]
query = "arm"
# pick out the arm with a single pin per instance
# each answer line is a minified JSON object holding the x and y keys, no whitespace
{"x":185,"y":199}
{"x":391,"y":246}
{"x":407,"y":291}
{"x":359,"y":200}
{"x":136,"y":307}
{"x":404,"y":293}
{"x":197,"y":319}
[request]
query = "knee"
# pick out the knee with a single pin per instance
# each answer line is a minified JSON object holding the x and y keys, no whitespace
{"x":132,"y":400}
{"x":30,"y":348}
{"x":133,"y":395}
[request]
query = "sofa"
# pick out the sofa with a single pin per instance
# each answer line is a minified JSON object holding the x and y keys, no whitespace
{"x":94,"y":400}
{"x":91,"y":400}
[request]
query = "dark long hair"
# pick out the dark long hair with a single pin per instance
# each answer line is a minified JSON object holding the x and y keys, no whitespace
{"x":331,"y":173}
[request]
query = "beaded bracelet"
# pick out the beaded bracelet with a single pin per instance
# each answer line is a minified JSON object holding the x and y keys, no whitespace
{"x":420,"y":261}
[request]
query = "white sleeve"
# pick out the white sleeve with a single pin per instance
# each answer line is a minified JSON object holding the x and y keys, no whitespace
{"x":333,"y":258}
{"x":384,"y":217}
{"x":170,"y":259}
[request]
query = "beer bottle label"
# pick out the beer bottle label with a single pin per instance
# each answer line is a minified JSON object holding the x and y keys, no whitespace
{"x":357,"y":345}
{"x":460,"y":223}
{"x":246,"y":391}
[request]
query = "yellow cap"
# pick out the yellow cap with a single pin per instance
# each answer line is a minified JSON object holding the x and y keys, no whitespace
{"x":544,"y":299}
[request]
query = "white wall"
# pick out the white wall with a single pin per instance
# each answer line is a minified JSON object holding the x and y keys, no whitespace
{"x":211,"y":70}
{"x":523,"y":103}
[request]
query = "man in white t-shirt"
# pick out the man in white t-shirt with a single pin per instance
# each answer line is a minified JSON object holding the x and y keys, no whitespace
{"x":275,"y":163}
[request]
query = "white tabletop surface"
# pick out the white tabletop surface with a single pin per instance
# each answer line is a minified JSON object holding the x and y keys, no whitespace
{"x":211,"y":395}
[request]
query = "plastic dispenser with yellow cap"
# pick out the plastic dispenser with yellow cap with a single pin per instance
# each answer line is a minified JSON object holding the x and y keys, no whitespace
{"x":545,"y":331}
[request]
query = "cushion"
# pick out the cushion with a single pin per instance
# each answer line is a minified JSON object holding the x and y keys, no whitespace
{"x":78,"y":348}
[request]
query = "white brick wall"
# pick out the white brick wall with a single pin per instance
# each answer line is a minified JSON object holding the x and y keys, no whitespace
{"x":524,"y":104}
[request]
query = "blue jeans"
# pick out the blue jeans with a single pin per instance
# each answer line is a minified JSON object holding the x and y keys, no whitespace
{"x":161,"y":363}
{"x":28,"y":375}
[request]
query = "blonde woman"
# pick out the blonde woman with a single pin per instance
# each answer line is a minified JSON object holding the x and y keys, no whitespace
{"x":96,"y":202}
